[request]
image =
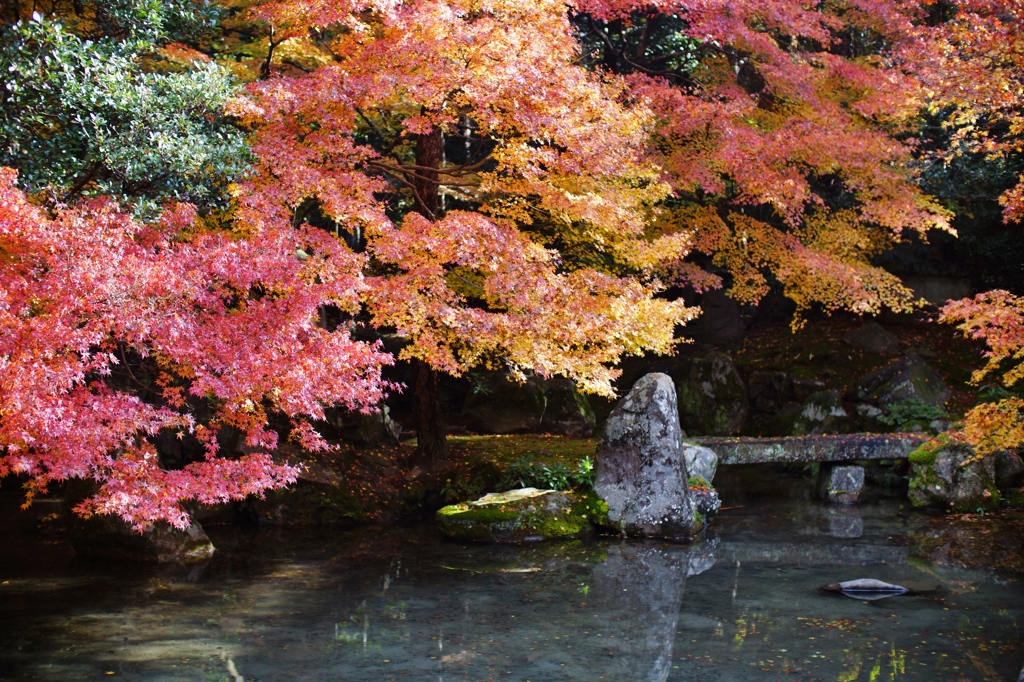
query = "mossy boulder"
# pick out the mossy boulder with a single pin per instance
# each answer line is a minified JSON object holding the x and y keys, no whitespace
{"x":713,"y":398}
{"x":105,"y":536}
{"x":523,"y":515}
{"x":908,"y":378}
{"x":498,"y":404}
{"x":821,"y":413}
{"x":948,"y":476}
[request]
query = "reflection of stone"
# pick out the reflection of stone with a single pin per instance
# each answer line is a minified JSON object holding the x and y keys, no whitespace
{"x":845,"y":523}
{"x":645,"y":583}
{"x":641,"y":472}
{"x":702,"y":557}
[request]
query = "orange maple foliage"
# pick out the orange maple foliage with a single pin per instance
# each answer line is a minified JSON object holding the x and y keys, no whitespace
{"x":547,"y":143}
{"x":996,"y":317}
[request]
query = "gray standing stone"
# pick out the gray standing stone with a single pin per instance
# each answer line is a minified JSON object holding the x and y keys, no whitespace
{"x":843,"y":484}
{"x":712,"y":396}
{"x":869,"y":418}
{"x":906,"y":378}
{"x":104,"y":536}
{"x":873,"y":338}
{"x":941,"y":479}
{"x":701,"y":462}
{"x":641,"y":472}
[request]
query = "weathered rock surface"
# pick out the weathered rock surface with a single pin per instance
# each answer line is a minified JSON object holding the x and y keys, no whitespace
{"x":805,"y":388}
{"x":501,"y":405}
{"x":937,"y":479}
{"x":769,"y":391}
{"x":522,"y":515}
{"x":873,"y":338}
{"x":108,"y":537}
{"x":712,"y":396}
{"x":1009,"y":470}
{"x":641,"y":471}
{"x":706,"y":502}
{"x":822,"y":412}
{"x":842,"y":484}
{"x":868,"y":418}
{"x":904,"y":379}
{"x":700,"y":461}
{"x":842,"y":448}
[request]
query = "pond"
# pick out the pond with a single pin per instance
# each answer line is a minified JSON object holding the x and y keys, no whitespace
{"x":402,"y":604}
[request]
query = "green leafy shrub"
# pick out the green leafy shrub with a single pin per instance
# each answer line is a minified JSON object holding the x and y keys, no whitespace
{"x":526,"y":472}
{"x":913,"y":409}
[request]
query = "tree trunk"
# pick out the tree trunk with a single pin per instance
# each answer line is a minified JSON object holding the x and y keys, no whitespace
{"x":431,"y":441}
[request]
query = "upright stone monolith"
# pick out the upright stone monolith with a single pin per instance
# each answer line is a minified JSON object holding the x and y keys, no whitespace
{"x":641,"y":470}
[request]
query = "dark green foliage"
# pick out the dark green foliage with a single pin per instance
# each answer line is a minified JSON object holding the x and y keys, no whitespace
{"x":913,"y":409}
{"x":81,"y":117}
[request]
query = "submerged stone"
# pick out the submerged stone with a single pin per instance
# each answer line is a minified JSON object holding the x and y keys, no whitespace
{"x":641,"y":470}
{"x":522,"y":515}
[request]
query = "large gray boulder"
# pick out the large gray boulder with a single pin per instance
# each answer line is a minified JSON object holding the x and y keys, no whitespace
{"x":713,"y":398}
{"x":951,"y":478}
{"x":904,"y":379}
{"x":641,"y":471}
{"x":873,"y":338}
{"x":104,"y":536}
{"x":499,"y":404}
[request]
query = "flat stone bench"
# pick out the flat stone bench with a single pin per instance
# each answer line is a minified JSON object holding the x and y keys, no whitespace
{"x":839,"y":448}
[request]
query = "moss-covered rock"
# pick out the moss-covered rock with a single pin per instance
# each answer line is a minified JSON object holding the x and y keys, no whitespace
{"x":822,"y":412}
{"x":908,"y":378}
{"x":950,"y":477}
{"x":105,"y":536}
{"x":498,"y":404}
{"x":713,"y":398}
{"x":522,"y":515}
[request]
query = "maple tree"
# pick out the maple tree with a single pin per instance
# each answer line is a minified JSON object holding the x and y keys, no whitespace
{"x":972,"y":74}
{"x":471,"y":152}
{"x":91,"y":297}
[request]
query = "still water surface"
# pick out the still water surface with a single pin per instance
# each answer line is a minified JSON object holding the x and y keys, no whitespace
{"x":321,"y":604}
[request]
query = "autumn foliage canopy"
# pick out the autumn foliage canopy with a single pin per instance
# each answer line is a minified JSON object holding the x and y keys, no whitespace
{"x":469,"y":175}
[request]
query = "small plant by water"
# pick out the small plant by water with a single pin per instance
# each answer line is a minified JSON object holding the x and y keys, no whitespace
{"x":527,"y":472}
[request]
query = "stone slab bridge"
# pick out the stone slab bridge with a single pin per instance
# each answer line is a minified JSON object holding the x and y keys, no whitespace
{"x":833,"y":448}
